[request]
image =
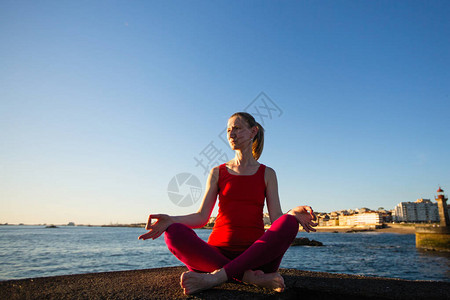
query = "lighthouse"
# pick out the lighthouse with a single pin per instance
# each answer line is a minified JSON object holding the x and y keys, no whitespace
{"x":442,"y":207}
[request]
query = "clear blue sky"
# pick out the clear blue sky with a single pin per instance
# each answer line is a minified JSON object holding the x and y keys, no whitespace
{"x":103,"y":102}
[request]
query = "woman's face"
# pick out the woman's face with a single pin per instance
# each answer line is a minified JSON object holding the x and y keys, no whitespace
{"x":239,"y":134}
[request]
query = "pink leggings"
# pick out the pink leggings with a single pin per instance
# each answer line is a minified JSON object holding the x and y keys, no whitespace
{"x":264,"y":254}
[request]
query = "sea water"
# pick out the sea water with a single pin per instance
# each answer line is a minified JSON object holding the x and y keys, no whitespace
{"x":36,"y":251}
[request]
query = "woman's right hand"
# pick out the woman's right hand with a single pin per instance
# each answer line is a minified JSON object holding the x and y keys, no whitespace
{"x":157,"y":228}
{"x":305,"y":217}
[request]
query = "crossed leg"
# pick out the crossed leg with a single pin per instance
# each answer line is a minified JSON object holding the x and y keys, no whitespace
{"x":256,"y":265}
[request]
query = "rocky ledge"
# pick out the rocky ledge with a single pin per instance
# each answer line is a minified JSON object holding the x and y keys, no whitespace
{"x":163,"y":283}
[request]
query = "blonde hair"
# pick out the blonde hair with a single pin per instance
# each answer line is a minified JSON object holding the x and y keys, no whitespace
{"x":258,"y":140}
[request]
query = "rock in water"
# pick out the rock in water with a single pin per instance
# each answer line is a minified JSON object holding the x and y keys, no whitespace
{"x":305,"y":242}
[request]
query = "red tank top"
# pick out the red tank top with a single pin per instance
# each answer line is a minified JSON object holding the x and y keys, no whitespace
{"x":241,"y":202}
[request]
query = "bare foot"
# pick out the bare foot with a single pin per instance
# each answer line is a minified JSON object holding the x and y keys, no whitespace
{"x":270,"y":280}
{"x":193,"y":282}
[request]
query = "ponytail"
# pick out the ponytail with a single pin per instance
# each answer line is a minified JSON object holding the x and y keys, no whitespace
{"x":258,"y":140}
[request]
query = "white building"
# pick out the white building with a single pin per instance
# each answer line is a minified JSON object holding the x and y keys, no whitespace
{"x":423,"y":210}
{"x":362,"y":219}
{"x":368,"y":218}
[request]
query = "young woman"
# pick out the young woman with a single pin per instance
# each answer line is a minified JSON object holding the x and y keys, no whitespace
{"x":238,"y":248}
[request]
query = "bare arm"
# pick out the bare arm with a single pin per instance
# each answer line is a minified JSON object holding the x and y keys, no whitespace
{"x":194,"y":220}
{"x":304,"y":214}
{"x":272,"y":197}
{"x":201,"y":217}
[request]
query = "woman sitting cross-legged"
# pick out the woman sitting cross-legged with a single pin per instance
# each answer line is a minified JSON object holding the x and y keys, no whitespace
{"x":238,"y":247}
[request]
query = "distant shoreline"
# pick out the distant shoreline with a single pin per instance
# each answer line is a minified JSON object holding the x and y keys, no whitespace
{"x":388,"y":228}
{"x":399,"y":229}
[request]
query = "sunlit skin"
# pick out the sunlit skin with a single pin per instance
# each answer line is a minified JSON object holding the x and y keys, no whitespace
{"x":240,"y":137}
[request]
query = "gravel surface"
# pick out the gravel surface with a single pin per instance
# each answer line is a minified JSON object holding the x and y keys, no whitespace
{"x":163,"y":283}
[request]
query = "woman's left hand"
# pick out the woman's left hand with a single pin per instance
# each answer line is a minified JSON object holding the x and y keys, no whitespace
{"x":305,"y":216}
{"x":157,"y":228}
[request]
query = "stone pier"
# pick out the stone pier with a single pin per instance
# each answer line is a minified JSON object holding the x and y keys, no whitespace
{"x":436,"y":238}
{"x":433,"y":238}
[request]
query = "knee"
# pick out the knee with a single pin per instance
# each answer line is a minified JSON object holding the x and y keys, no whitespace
{"x":290,"y":219}
{"x":288,"y":224}
{"x":176,"y":229}
{"x":175,"y":232}
{"x":291,"y":222}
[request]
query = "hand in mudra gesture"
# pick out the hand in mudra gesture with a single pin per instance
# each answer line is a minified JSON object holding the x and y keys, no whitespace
{"x":305,"y":216}
{"x":156,"y":228}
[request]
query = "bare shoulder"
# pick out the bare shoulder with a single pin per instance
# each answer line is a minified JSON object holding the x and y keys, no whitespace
{"x":214,"y":174}
{"x":270,"y":172}
{"x":270,"y":175}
